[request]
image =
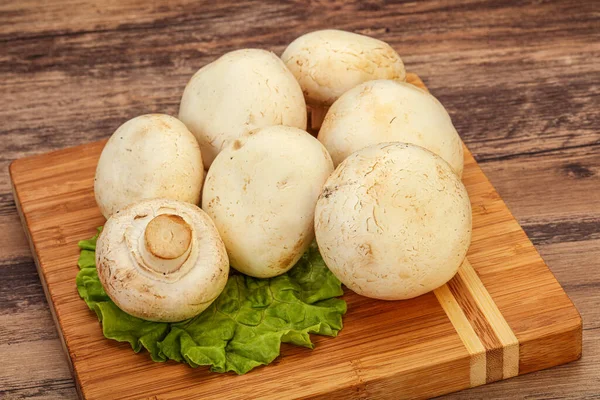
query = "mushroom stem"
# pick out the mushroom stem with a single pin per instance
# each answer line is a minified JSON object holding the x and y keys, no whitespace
{"x":167,"y":242}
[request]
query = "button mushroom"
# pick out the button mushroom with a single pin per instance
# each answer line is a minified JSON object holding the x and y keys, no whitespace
{"x":385,"y":111}
{"x":330,"y":62}
{"x":147,"y":157}
{"x":241,"y":91}
{"x":261,"y":192}
{"x":161,"y":260}
{"x":393,"y":221}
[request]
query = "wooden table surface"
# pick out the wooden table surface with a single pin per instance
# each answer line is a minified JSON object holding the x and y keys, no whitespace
{"x":521,"y":80}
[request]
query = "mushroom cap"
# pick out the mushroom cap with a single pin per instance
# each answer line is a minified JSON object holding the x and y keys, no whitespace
{"x":147,"y":157}
{"x":161,"y":260}
{"x":330,"y":62}
{"x":261,"y":192}
{"x":393,"y":221}
{"x":387,"y":111}
{"x":241,"y":91}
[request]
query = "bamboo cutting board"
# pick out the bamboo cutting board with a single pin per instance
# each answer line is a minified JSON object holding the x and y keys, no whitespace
{"x":503,"y":314}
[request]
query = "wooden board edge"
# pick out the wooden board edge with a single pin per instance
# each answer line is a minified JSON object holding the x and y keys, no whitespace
{"x":21,"y":164}
{"x":41,"y":274}
{"x":557,"y":348}
{"x":394,"y":385}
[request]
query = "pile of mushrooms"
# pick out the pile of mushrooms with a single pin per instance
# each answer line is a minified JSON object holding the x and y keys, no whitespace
{"x":379,"y":188}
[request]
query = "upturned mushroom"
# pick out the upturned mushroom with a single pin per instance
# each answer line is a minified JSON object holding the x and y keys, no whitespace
{"x":328,"y":63}
{"x":240,"y":91}
{"x":393,"y":221}
{"x":161,"y":260}
{"x":147,"y":157}
{"x":386,"y":111}
{"x":261,"y":192}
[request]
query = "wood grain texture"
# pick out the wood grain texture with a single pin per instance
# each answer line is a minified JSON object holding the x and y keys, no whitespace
{"x":501,"y":342}
{"x":519,"y":79}
{"x":408,"y":349}
{"x":471,"y":339}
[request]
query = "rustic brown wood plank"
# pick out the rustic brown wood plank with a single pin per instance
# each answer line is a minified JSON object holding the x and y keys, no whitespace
{"x":528,"y":68}
{"x":40,"y":381}
{"x":573,"y":175}
{"x":519,"y":79}
{"x":77,"y":16}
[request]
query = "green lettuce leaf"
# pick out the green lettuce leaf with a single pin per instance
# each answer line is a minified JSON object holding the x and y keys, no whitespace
{"x":242,"y":329}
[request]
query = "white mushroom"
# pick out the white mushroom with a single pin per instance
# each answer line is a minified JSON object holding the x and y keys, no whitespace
{"x":241,"y":91}
{"x":393,"y":221}
{"x":147,"y":157}
{"x":387,"y":111}
{"x":261,"y":192}
{"x":330,"y":62}
{"x":161,"y":260}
